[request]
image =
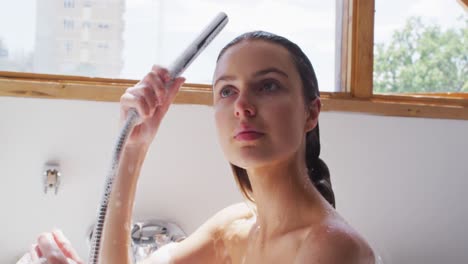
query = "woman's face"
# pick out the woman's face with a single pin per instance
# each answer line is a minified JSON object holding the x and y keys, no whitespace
{"x":260,"y":111}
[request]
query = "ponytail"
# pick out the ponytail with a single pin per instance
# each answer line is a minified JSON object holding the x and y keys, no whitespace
{"x":316,"y":168}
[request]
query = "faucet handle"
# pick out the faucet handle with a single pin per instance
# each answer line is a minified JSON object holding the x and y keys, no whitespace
{"x":51,"y":177}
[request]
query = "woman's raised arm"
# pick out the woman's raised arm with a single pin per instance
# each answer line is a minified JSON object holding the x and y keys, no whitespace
{"x":151,"y":97}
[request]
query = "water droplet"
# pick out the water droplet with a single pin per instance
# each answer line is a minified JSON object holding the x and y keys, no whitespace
{"x":130,"y":168}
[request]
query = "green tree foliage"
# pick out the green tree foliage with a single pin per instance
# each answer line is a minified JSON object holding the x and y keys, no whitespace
{"x":422,"y":58}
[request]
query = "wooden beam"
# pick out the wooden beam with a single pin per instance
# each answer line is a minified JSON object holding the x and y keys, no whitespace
{"x":77,"y":88}
{"x":402,"y":109}
{"x":84,"y":88}
{"x":362,"y":48}
{"x":464,"y":4}
{"x":398,"y":105}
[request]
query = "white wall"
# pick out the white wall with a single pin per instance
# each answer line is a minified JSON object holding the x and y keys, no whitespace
{"x":399,"y":181}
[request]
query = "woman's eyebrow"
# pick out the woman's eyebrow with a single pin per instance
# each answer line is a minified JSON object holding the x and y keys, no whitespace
{"x":224,"y":78}
{"x":258,"y":73}
{"x":271,"y":69}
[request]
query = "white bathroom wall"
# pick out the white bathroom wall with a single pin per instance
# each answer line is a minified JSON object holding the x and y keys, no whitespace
{"x":399,"y":181}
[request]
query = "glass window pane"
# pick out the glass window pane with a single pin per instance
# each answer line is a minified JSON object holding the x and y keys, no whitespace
{"x":122,"y":39}
{"x":420,"y":46}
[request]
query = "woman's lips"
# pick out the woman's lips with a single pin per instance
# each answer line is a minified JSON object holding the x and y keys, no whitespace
{"x":248,"y":135}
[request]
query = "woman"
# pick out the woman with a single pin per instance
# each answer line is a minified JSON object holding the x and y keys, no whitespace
{"x":266,"y":104}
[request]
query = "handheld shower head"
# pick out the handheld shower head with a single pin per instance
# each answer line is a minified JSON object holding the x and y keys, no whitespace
{"x":198,"y":45}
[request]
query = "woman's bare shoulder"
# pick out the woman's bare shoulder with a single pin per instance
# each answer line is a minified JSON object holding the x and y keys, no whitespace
{"x":206,"y":244}
{"x":232,"y":217}
{"x":334,"y":242}
{"x":235,"y":211}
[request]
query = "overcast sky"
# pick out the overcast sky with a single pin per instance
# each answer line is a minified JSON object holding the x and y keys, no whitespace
{"x":308,"y":23}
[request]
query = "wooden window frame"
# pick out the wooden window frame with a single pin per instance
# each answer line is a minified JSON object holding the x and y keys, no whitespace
{"x":354,"y":78}
{"x":464,"y":4}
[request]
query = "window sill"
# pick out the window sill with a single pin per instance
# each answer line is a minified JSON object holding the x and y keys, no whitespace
{"x":16,"y":84}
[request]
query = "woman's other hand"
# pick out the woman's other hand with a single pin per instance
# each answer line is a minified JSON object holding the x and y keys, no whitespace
{"x":51,"y":248}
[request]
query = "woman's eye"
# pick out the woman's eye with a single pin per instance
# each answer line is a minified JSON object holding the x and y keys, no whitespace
{"x":226,"y":91}
{"x":270,"y":86}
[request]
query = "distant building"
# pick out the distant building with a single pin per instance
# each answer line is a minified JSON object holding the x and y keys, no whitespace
{"x":3,"y":53}
{"x":79,"y":37}
{"x":3,"y":50}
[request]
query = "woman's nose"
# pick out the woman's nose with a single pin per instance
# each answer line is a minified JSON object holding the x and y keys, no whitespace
{"x":244,"y":106}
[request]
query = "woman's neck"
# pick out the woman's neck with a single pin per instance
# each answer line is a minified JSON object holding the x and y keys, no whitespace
{"x":285,"y":198}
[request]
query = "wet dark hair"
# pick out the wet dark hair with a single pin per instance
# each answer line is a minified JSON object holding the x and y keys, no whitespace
{"x":317,"y":169}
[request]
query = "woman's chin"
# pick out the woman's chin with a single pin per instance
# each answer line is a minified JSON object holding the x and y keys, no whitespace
{"x":251,"y":159}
